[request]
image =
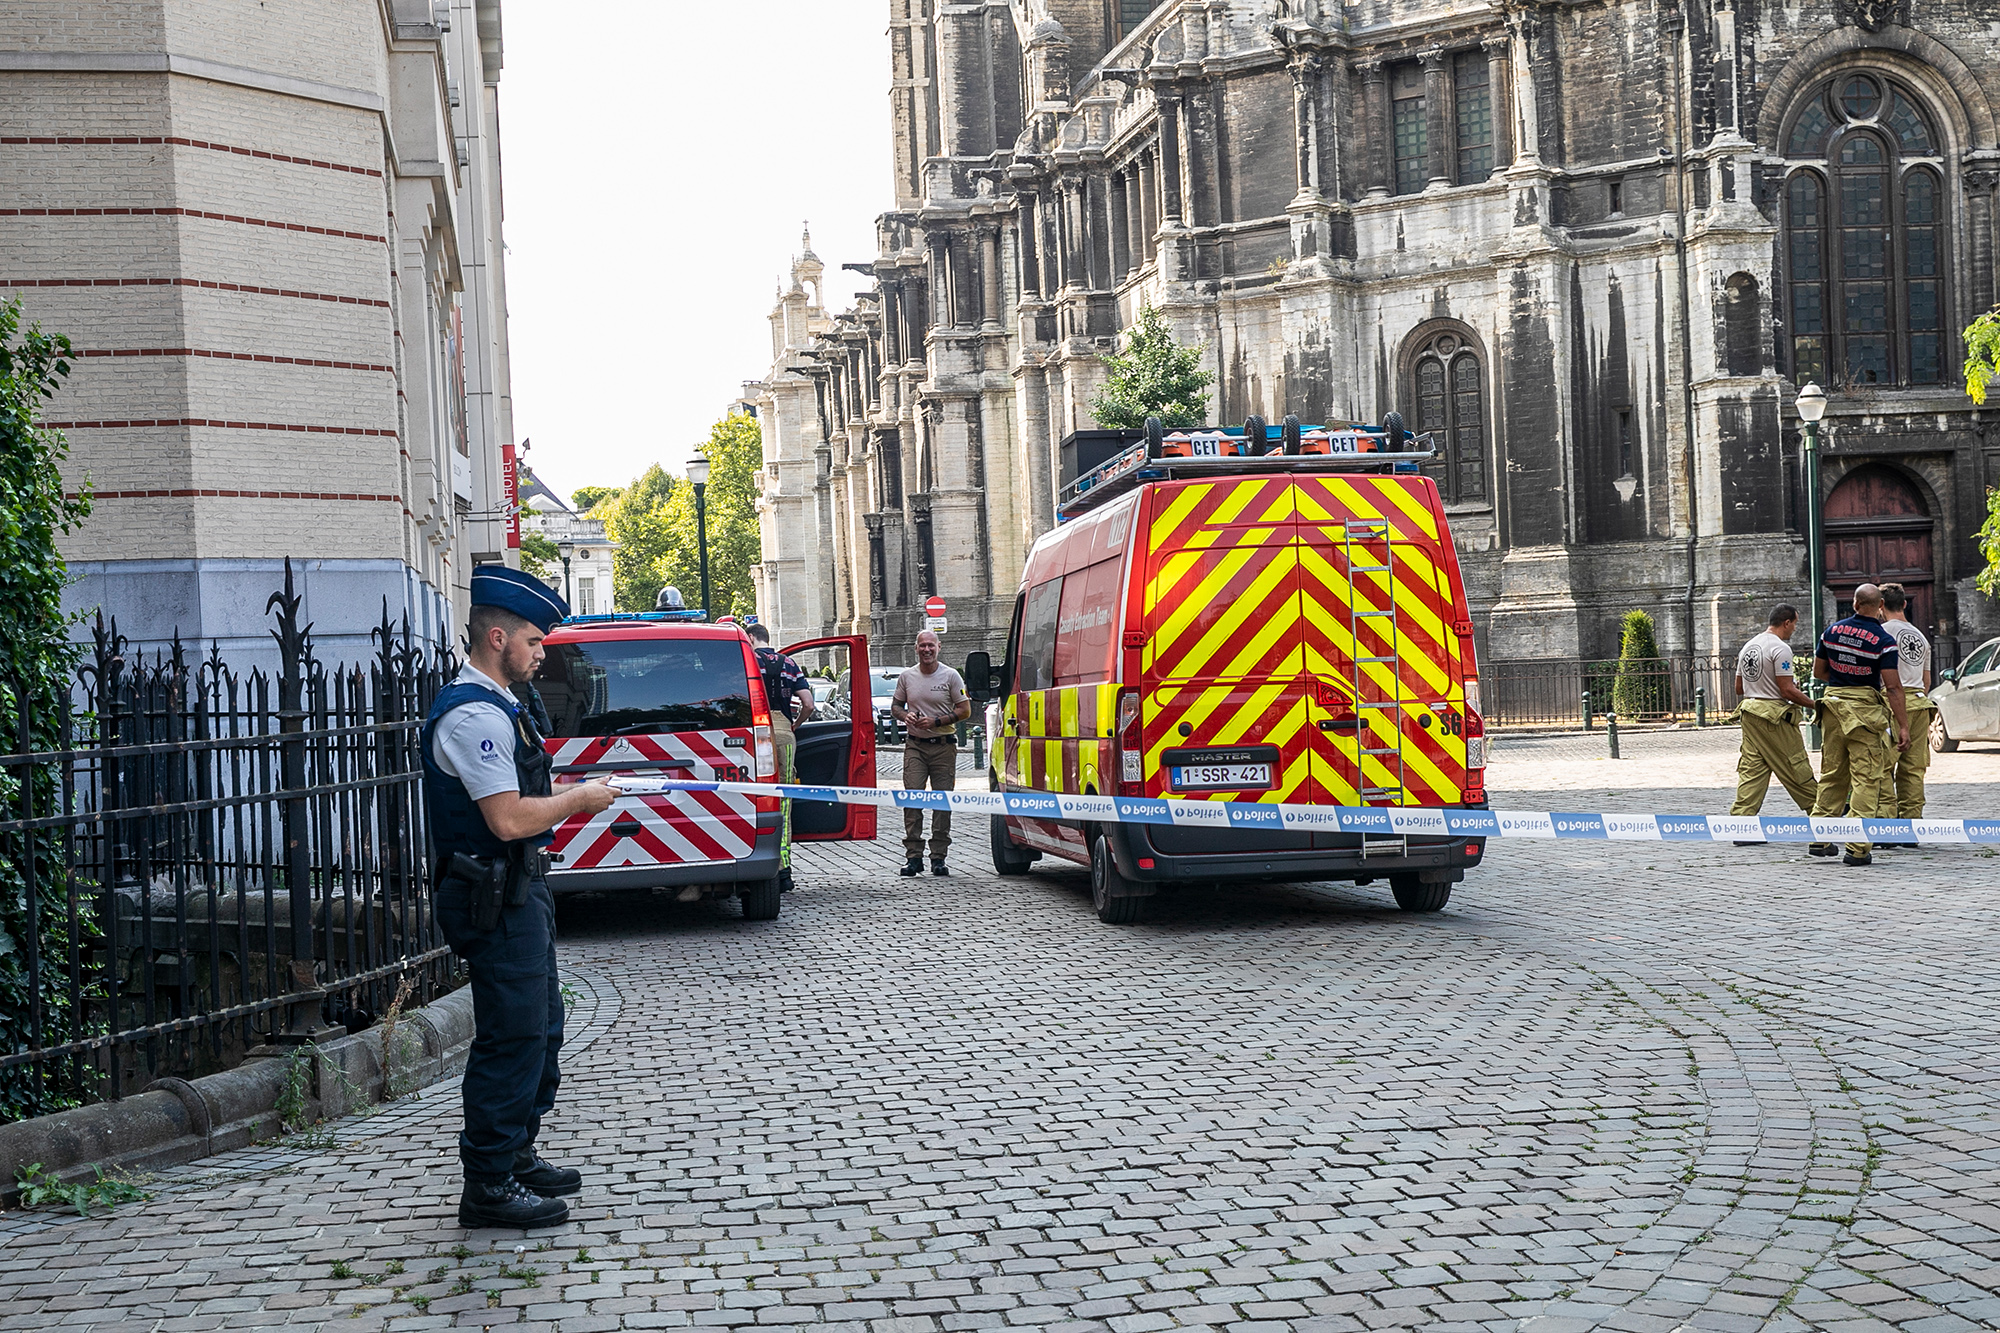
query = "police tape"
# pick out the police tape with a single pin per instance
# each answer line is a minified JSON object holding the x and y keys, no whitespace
{"x":1412,"y":821}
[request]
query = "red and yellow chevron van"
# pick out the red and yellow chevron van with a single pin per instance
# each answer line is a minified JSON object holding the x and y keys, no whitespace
{"x":1248,"y":621}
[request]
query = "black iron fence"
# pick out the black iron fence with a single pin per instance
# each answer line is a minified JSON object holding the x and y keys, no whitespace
{"x":1577,"y":690}
{"x":238,"y":860}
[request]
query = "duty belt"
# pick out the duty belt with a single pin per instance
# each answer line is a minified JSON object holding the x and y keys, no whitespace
{"x":933,"y":740}
{"x":537,"y":863}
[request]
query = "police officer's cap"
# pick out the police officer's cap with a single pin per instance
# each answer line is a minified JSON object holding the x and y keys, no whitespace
{"x":523,"y":595}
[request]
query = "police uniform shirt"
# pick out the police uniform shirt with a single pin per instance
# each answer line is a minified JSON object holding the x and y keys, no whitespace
{"x":1762,"y":662}
{"x":1913,"y":653}
{"x":1857,"y":651}
{"x":475,"y":744}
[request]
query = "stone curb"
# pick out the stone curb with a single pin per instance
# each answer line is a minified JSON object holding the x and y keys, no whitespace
{"x":176,"y":1120}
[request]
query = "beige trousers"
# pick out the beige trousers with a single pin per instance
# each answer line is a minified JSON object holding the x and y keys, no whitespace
{"x":933,"y":766}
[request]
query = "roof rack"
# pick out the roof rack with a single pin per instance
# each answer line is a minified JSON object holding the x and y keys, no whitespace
{"x":1257,"y":447}
{"x":610,"y":617}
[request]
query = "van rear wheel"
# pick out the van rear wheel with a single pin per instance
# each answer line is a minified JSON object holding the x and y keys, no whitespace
{"x":1114,"y":906}
{"x":1007,"y":858}
{"x":760,"y":899}
{"x":1413,"y":895}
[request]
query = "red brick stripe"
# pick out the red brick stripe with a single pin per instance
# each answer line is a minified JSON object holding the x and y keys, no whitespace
{"x":223,"y":425}
{"x":100,"y":140}
{"x":185,"y":493}
{"x":188,"y":213}
{"x":236,"y":356}
{"x":189,"y":282}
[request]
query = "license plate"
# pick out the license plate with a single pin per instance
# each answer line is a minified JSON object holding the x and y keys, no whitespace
{"x":1219,"y":777}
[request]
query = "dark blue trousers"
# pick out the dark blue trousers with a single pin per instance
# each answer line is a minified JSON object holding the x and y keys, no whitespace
{"x":511,"y":1075}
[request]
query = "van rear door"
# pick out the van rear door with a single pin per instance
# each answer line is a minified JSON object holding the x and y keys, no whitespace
{"x":1379,"y":612}
{"x":1225,"y":703}
{"x":654,"y":706}
{"x":837,"y":747}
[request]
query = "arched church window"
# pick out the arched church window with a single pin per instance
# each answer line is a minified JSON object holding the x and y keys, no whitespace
{"x":1448,"y":386}
{"x":1864,"y":238}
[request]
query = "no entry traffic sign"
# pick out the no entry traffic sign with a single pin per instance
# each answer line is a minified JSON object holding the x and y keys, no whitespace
{"x":934,"y":607}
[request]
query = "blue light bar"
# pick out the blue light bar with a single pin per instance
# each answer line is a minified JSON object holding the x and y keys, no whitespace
{"x":615,"y":617}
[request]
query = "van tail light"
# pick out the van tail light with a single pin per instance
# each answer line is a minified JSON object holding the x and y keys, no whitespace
{"x":1475,"y":745}
{"x":763,"y":746}
{"x":1131,"y":746}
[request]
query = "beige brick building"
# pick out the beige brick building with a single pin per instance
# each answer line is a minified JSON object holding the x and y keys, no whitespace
{"x":273,"y":233}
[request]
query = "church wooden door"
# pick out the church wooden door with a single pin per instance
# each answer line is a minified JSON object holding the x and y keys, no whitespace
{"x":1878,"y":530}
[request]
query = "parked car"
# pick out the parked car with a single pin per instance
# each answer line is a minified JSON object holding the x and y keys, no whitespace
{"x":1968,"y":700}
{"x":659,"y":695}
{"x":888,"y":731}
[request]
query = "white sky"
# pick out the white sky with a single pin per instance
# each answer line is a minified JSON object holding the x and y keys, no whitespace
{"x":659,"y":158}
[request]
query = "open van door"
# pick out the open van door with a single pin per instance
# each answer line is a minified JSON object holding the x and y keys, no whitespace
{"x":837,"y":747}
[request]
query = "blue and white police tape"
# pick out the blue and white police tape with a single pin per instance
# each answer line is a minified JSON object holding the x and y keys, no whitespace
{"x":1410,"y":820}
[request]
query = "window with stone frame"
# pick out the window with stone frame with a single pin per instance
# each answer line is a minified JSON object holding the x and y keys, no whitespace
{"x":1864,"y":238}
{"x":1131,"y":13}
{"x":1409,"y":127}
{"x":1447,"y":387}
{"x":1472,"y":101}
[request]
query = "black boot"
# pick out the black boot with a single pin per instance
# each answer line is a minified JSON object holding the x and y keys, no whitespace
{"x":545,"y":1178}
{"x":508,"y":1204}
{"x":913,"y":866}
{"x":1850,"y":859}
{"x":937,"y":866}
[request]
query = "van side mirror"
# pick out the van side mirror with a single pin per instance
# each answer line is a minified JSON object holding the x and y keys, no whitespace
{"x":979,"y":676}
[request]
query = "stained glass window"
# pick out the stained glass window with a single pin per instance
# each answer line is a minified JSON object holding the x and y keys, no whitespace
{"x":1411,"y":129}
{"x":1864,"y":244}
{"x":1470,"y":84}
{"x":1451,"y":407}
{"x":1913,"y":136}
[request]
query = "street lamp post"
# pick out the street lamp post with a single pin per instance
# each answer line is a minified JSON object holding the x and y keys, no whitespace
{"x":566,"y":550}
{"x":698,"y":474}
{"x":1812,"y":406}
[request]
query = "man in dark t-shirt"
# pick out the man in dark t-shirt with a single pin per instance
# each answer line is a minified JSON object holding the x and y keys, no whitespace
{"x":1856,"y":657}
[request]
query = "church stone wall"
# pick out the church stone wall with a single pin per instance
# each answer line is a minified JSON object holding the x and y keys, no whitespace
{"x":1609,"y":253}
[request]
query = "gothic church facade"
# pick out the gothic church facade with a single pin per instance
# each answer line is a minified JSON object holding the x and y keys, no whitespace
{"x":1593,"y":247}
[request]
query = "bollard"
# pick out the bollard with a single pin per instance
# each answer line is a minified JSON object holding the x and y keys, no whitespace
{"x":1586,"y":710}
{"x":1701,"y":706}
{"x":979,"y":748}
{"x":1611,"y":731}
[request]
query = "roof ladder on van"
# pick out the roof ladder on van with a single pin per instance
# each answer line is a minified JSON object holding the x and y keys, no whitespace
{"x":1359,"y":534}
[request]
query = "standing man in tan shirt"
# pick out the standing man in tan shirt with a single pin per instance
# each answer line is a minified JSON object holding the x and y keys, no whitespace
{"x":930,"y":702}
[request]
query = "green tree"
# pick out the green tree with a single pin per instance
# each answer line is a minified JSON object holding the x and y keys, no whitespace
{"x":1153,"y":377}
{"x":1982,"y":363}
{"x":637,"y":521}
{"x":37,"y":663}
{"x":538,"y":554}
{"x":735,"y":450}
{"x":587,"y":498}
{"x":1988,"y":580}
{"x":1641,"y":685}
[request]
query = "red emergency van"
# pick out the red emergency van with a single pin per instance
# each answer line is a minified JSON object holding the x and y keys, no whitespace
{"x":660,"y":695}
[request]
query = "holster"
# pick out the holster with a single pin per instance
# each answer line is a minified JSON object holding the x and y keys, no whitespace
{"x":488,"y":884}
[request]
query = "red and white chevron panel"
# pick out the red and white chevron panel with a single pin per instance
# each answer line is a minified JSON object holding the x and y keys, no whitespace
{"x":674,"y":827}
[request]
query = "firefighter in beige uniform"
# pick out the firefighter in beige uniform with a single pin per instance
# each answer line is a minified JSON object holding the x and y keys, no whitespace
{"x":1773,"y":705}
{"x":1903,"y":786}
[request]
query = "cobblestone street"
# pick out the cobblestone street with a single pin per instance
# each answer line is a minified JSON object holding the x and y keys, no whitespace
{"x":1639,"y":1086}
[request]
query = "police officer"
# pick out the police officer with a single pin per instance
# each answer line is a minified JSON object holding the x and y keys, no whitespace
{"x":1857,"y":659}
{"x":1772,"y":707}
{"x":491,"y":806}
{"x":1903,"y":787}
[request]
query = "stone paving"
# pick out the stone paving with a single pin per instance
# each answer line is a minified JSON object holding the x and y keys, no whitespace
{"x":1637,"y":1087}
